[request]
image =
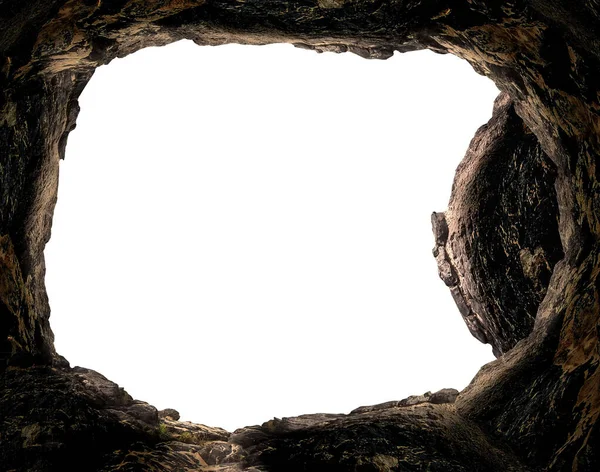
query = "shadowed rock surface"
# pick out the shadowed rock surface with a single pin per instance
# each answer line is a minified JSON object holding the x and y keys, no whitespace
{"x":498,"y":243}
{"x":533,"y":296}
{"x":77,"y":416}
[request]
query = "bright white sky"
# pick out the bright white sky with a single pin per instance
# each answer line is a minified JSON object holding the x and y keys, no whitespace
{"x":244,"y":232}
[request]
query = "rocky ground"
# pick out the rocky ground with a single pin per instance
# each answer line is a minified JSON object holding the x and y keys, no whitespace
{"x":76,"y":417}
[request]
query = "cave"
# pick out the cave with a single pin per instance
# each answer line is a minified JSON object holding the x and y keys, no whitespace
{"x":517,"y":247}
{"x":299,"y":246}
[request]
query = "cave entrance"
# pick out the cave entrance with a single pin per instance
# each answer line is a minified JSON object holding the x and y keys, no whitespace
{"x":246,"y":235}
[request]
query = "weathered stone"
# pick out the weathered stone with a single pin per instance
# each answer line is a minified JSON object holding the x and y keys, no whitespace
{"x":169,"y":413}
{"x":498,"y":243}
{"x":535,"y":408}
{"x":52,"y":418}
{"x":192,"y":433}
{"x":446,"y":395}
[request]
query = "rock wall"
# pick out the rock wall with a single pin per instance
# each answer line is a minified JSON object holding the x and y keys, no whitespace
{"x":498,"y":243}
{"x":532,"y":295}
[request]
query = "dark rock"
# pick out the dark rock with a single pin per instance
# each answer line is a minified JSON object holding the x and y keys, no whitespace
{"x":498,"y":243}
{"x":192,"y":433}
{"x":518,"y":246}
{"x":446,"y":395}
{"x":383,"y":440}
{"x":143,"y":412}
{"x":169,"y":413}
{"x":105,"y":392}
{"x":51,"y":419}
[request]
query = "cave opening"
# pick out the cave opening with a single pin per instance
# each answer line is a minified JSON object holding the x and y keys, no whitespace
{"x":170,"y":269}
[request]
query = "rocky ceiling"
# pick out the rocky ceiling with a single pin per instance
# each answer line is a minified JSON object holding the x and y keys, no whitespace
{"x":518,"y":246}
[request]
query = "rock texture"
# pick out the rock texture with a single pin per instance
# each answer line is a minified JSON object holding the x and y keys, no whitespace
{"x":51,"y":418}
{"x":79,"y":417}
{"x":498,"y":243}
{"x":532,"y":295}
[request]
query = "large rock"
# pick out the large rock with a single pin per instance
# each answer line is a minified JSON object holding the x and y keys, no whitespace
{"x":53,"y":418}
{"x":535,"y":408}
{"x":498,"y":243}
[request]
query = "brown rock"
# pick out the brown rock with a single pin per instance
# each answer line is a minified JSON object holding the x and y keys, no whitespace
{"x":535,"y":408}
{"x":169,"y":413}
{"x":498,"y":242}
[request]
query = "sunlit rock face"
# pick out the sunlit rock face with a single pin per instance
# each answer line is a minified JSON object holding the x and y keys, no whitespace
{"x":498,"y":243}
{"x":535,"y":408}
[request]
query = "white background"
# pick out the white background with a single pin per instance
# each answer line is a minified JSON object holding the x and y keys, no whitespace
{"x":244,"y":232}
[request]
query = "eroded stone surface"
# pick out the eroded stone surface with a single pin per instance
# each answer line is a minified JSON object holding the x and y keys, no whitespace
{"x":77,"y":416}
{"x":497,"y":244}
{"x":446,"y":395}
{"x":51,"y":418}
{"x":536,"y":407}
{"x":169,"y":413}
